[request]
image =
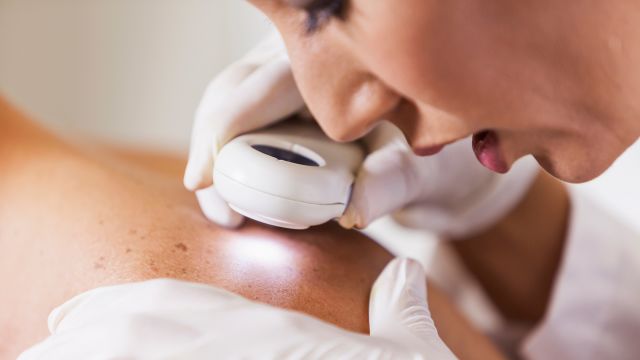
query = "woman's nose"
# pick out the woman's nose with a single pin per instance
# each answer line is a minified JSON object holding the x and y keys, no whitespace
{"x":366,"y":104}
{"x":426,"y":126}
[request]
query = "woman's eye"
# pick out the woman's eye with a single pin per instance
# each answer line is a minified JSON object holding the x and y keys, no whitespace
{"x":321,"y":11}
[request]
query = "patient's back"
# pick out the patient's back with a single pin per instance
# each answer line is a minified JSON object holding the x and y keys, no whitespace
{"x":73,"y":219}
{"x":326,"y":271}
{"x":70,"y":222}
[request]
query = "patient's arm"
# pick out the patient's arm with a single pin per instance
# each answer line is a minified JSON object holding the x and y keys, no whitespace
{"x":72,"y":220}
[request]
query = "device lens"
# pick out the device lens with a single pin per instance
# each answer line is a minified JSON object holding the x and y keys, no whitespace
{"x":285,"y":155}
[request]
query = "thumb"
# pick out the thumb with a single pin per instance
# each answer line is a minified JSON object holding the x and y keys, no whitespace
{"x":217,"y":210}
{"x":398,"y":309}
{"x":386,"y":182}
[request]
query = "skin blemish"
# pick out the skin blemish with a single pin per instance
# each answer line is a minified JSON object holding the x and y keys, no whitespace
{"x":128,"y":250}
{"x":152,"y":266}
{"x":182,"y":247}
{"x":99,"y":264}
{"x":133,"y":232}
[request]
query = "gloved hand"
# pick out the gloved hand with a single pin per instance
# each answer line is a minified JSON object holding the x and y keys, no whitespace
{"x":252,"y":93}
{"x":170,"y":319}
{"x":449,"y":193}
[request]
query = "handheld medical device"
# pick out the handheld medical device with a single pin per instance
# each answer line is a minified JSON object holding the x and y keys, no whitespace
{"x":289,"y":175}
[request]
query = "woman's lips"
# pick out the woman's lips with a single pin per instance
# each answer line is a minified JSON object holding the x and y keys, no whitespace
{"x":427,"y":151}
{"x":486,"y":146}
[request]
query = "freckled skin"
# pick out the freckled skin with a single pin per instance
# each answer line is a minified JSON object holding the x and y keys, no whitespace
{"x":128,"y":219}
{"x":109,"y":216}
{"x":328,"y":274}
{"x":182,"y":247}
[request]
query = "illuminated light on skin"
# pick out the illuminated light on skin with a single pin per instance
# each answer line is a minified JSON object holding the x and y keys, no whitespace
{"x":260,"y":251}
{"x":262,"y":260}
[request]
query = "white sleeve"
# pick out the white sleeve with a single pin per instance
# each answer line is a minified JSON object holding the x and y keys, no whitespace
{"x":154,"y":319}
{"x":166,"y":319}
{"x":594,"y":311}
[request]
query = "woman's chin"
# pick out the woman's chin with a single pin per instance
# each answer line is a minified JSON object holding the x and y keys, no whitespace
{"x":573,"y":171}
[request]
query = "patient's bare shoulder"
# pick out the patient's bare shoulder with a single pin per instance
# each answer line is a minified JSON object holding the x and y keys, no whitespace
{"x":326,"y":271}
{"x":71,"y":220}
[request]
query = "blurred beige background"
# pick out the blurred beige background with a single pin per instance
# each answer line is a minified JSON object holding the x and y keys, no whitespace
{"x":129,"y":70}
{"x":132,"y":71}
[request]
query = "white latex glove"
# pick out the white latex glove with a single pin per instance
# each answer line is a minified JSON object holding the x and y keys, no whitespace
{"x":251,"y":93}
{"x":170,"y":319}
{"x":449,"y":193}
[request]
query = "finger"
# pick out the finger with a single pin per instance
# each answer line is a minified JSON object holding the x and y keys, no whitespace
{"x":247,"y":96}
{"x":399,"y":311}
{"x":217,"y":210}
{"x":398,"y":301}
{"x":385,"y":182}
{"x":199,"y":171}
{"x":266,"y":96}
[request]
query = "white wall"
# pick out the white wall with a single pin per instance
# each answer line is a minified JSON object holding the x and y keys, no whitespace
{"x":129,"y":70}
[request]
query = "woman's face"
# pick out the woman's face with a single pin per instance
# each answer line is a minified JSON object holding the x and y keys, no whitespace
{"x":556,"y":79}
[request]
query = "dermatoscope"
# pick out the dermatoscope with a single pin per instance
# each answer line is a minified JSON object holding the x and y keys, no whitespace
{"x":289,"y":175}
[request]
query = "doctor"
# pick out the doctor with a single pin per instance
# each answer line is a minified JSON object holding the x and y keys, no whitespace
{"x":557,"y":80}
